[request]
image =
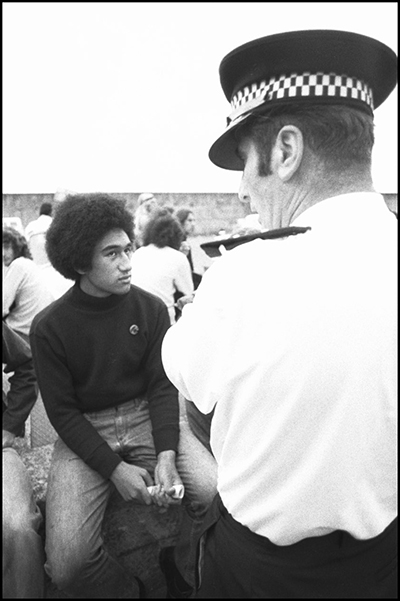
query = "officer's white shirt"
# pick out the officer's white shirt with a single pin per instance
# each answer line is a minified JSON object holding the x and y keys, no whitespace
{"x":293,"y":341}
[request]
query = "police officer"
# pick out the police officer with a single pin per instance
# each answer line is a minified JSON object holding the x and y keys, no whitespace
{"x":292,"y":341}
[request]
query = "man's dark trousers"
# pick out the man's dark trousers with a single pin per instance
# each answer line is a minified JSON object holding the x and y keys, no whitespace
{"x":238,"y":564}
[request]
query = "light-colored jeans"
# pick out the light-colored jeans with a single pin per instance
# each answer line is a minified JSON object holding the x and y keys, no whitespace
{"x":77,"y":496}
{"x":198,"y":470}
{"x":23,"y":555}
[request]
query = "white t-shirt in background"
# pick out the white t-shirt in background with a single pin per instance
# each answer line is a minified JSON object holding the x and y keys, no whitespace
{"x":162,"y":271}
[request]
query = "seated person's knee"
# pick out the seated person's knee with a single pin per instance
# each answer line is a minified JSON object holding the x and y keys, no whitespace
{"x":21,"y":522}
{"x":64,"y":568}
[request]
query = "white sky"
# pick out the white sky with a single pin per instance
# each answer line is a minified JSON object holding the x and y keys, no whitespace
{"x":125,"y":96}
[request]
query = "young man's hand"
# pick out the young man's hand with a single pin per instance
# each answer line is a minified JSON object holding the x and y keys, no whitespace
{"x":166,"y":477}
{"x":131,"y":482}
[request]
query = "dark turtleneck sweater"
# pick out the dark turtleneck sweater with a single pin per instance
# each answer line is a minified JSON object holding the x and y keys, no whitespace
{"x":94,"y":353}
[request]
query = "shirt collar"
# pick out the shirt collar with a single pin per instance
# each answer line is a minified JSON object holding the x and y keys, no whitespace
{"x":352,"y":207}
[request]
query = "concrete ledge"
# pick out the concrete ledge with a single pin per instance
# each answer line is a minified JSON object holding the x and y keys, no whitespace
{"x":134,"y":535}
{"x":37,"y":462}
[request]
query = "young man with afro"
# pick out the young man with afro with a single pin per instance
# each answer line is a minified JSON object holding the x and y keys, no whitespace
{"x":97,"y":357}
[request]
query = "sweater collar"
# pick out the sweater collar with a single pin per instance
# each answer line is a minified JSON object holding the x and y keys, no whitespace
{"x":94,"y":303}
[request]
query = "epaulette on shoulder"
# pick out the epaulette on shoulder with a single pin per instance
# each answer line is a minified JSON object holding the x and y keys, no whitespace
{"x":212,"y":248}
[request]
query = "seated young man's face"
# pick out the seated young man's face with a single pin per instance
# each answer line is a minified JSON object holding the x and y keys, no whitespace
{"x":111,"y":266}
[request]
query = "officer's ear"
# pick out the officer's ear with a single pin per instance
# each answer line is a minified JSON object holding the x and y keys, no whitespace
{"x":287,"y":152}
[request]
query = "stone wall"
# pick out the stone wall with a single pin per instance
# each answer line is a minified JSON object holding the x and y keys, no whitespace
{"x":213,"y":212}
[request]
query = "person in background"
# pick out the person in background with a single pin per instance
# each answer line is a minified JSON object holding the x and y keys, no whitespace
{"x":293,"y":341}
{"x":97,"y":356}
{"x":188,"y":222}
{"x":147,"y":205}
{"x":158,"y":266}
{"x":23,"y":554}
{"x":25,"y":292}
{"x":35,"y":234}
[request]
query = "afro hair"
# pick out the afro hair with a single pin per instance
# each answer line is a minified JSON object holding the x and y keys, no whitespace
{"x":79,"y":223}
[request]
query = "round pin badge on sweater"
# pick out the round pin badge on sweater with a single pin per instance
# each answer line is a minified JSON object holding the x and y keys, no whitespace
{"x":134,"y":329}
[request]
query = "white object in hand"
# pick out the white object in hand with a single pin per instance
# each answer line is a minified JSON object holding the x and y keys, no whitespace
{"x":179,"y":491}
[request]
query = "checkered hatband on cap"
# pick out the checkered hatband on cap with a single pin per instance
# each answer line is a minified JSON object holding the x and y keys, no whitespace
{"x":305,"y":85}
